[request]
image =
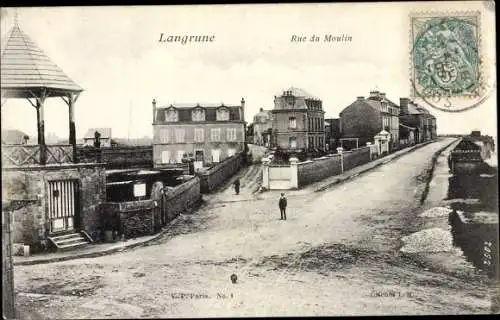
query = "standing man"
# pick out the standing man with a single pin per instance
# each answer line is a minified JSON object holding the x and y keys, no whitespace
{"x":237,"y":186}
{"x":282,"y":204}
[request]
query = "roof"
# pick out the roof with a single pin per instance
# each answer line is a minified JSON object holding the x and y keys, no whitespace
{"x":407,"y":127}
{"x":191,"y":105}
{"x":184,"y":112}
{"x":25,"y":65}
{"x":298,"y":92}
{"x":105,"y":133}
{"x":13,"y":136}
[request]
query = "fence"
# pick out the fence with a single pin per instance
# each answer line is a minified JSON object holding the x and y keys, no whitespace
{"x":26,"y":155}
{"x":118,"y":157}
{"x":218,"y":174}
{"x":298,"y":174}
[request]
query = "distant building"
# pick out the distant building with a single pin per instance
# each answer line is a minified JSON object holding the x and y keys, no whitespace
{"x":262,"y":127}
{"x":105,"y":138}
{"x":332,"y":134}
{"x":298,"y":122}
{"x":208,"y":132}
{"x":14,"y":136}
{"x":418,"y":117}
{"x":366,"y":117}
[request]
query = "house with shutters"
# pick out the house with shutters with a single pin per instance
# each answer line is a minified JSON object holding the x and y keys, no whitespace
{"x":209,"y":133}
{"x":298,"y":122}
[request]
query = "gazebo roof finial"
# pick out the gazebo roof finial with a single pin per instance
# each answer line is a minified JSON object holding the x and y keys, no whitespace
{"x":16,"y":17}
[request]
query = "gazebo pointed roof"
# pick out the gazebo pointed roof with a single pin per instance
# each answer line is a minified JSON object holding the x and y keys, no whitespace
{"x":26,"y":70}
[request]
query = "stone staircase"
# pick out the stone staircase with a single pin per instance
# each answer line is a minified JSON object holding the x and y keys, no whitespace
{"x":70,"y":241}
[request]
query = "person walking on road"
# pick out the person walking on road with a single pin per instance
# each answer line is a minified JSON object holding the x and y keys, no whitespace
{"x":282,"y":204}
{"x":237,"y":186}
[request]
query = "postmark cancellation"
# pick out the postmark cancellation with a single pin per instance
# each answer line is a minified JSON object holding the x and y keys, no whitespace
{"x":447,"y":66}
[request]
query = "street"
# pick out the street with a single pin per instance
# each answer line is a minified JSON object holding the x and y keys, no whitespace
{"x":337,"y":254}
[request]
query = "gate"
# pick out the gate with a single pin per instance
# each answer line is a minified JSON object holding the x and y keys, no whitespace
{"x":62,"y":205}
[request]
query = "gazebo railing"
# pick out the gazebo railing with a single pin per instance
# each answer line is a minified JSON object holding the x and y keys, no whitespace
{"x":26,"y":155}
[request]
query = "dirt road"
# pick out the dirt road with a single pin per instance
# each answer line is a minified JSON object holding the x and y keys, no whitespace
{"x":337,"y":254}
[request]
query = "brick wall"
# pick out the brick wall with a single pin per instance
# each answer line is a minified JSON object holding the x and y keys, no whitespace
{"x":356,"y":157}
{"x":30,"y":223}
{"x":215,"y":176}
{"x":318,"y":169}
{"x":8,"y":297}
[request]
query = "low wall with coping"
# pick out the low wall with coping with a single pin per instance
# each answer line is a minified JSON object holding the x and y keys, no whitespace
{"x":317,"y":169}
{"x":218,"y":174}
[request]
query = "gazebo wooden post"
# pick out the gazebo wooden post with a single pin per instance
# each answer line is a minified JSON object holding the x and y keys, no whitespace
{"x":72,"y":130}
{"x":41,"y":129}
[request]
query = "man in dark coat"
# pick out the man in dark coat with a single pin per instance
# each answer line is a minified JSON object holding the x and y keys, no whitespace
{"x":282,"y":204}
{"x":237,"y":186}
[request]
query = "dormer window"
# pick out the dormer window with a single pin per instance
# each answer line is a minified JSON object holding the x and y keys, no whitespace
{"x":198,"y":114}
{"x":171,"y":115}
{"x":222,"y":114}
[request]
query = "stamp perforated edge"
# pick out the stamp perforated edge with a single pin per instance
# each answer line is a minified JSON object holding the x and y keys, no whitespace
{"x":483,"y":77}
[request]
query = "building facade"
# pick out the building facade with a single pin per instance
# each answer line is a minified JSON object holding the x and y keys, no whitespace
{"x":332,"y":134}
{"x":298,"y":122}
{"x":418,"y":117}
{"x":209,"y":133}
{"x":366,"y":117}
{"x":262,"y":127}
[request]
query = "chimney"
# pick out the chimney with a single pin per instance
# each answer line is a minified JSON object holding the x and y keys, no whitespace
{"x":361,"y":98}
{"x":403,"y":102}
{"x":154,"y":110}
{"x":382,"y":95}
{"x":242,"y":110}
{"x":261,"y":109}
{"x":374,"y":94}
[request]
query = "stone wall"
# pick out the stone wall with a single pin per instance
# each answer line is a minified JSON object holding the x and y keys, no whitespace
{"x":218,"y":174}
{"x":318,"y":169}
{"x":182,"y":198}
{"x":8,"y":296}
{"x":30,"y":223}
{"x":356,"y":157}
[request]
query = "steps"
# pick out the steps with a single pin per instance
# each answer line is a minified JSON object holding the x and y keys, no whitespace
{"x":69,"y":241}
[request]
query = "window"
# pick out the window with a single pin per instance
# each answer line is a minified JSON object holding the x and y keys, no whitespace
{"x":199,"y":135}
{"x":231,"y":134}
{"x":171,"y":115}
{"x":164,"y":135}
{"x":231,"y":152}
{"x":292,"y":122}
{"x":215,"y":155}
{"x":293,"y":142}
{"x":215,"y":134}
{"x":198,"y":115}
{"x":222,"y":114}
{"x":179,"y":135}
{"x":165,"y":156}
{"x":180,"y":155}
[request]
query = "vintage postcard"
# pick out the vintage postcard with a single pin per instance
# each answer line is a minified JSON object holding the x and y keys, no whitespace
{"x":249,"y":160}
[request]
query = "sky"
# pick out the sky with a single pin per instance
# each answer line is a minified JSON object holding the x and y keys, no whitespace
{"x":115,"y":55}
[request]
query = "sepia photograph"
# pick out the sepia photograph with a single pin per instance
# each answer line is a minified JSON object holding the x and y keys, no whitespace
{"x":249,"y":160}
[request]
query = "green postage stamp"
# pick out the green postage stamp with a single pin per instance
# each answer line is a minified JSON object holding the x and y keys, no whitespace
{"x":445,"y":60}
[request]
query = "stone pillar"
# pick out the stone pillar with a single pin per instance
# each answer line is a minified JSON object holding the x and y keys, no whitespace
{"x":8,"y":295}
{"x":340,"y":151}
{"x":265,"y":172}
{"x":294,"y":173}
{"x":369,"y":145}
{"x":72,"y":129}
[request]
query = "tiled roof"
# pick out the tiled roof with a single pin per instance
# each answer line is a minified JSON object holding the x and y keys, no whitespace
{"x":105,"y":133}
{"x":24,"y":65}
{"x":184,"y":113}
{"x":190,"y":105}
{"x":297,"y":92}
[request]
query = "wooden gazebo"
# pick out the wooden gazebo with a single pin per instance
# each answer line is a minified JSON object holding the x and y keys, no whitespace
{"x":28,"y":73}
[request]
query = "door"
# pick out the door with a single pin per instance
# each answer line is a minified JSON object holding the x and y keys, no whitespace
{"x":62,"y":205}
{"x":215,"y":155}
{"x":198,"y":159}
{"x":165,"y":156}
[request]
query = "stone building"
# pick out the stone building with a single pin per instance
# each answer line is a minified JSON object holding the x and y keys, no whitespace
{"x":418,"y":117}
{"x":61,"y":194}
{"x":262,"y":127}
{"x":208,"y":132}
{"x":366,"y":117}
{"x":298,"y":122}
